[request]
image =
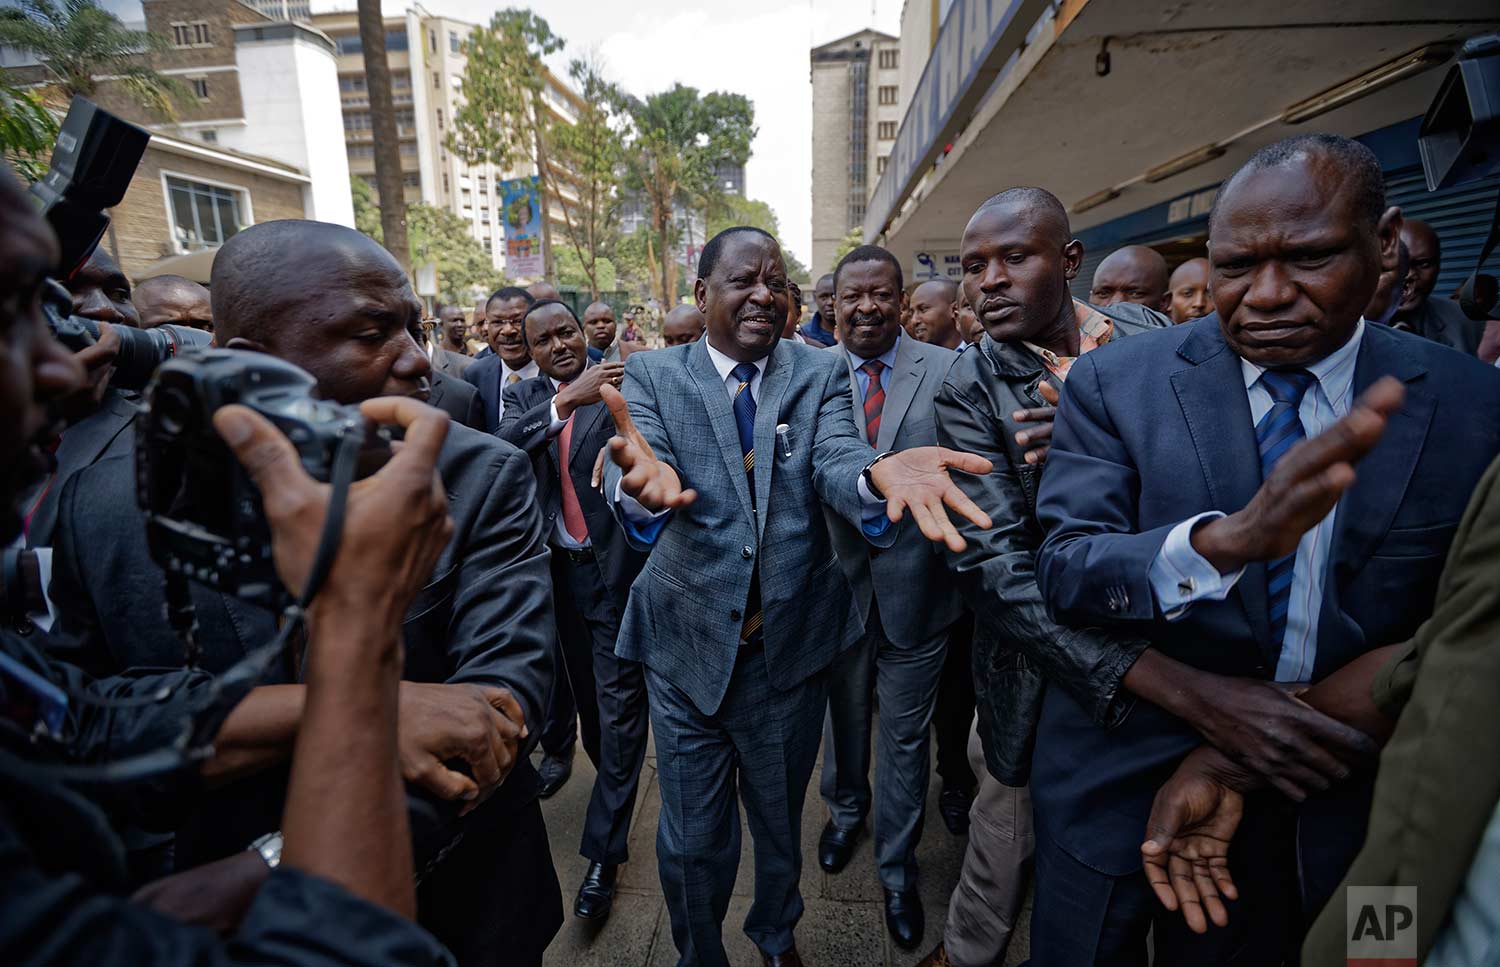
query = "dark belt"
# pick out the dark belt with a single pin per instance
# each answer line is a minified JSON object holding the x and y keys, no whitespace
{"x":576,"y":555}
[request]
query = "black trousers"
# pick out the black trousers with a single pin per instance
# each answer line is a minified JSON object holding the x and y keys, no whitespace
{"x":954,"y":712}
{"x":606,"y":694}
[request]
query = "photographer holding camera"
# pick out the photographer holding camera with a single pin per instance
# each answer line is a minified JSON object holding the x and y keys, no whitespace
{"x":344,"y":893}
{"x":333,"y":302}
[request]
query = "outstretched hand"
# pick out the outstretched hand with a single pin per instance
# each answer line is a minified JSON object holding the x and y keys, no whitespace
{"x":1186,"y":857}
{"x":917,"y":480}
{"x":653,"y":484}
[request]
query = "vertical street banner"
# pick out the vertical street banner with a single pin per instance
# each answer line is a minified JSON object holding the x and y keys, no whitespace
{"x":521,"y":210}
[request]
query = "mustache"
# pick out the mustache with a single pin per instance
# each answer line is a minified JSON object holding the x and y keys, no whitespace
{"x":866,"y":319}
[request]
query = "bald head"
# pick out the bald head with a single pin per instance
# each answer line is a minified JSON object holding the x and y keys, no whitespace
{"x":1425,"y":254}
{"x":684,"y":324}
{"x":1187,"y":295}
{"x":599,"y":325}
{"x":1134,"y":273}
{"x":934,"y":318}
{"x":543,"y":290}
{"x":1038,"y":205}
{"x":174,"y":300}
{"x":326,"y":298}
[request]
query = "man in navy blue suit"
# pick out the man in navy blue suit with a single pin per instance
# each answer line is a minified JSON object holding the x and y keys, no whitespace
{"x":1179,"y":505}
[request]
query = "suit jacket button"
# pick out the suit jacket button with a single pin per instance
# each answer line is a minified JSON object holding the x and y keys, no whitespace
{"x":747,"y":552}
{"x":735,"y":615}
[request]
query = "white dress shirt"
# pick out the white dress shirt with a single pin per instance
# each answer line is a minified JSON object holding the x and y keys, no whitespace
{"x":1180,"y":576}
{"x":525,"y":372}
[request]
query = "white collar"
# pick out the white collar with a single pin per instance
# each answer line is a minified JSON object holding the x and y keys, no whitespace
{"x":726,"y":366}
{"x":525,"y":372}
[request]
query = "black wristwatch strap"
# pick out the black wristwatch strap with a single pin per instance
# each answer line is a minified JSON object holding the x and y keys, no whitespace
{"x":870,"y":479}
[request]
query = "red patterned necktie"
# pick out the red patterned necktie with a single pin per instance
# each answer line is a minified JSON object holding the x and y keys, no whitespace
{"x":874,"y":399}
{"x":572,"y":511}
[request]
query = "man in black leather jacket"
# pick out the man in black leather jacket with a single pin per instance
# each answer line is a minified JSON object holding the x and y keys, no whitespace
{"x":1018,"y":257}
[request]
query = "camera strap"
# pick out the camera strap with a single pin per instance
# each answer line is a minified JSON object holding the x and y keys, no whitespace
{"x":195,"y":745}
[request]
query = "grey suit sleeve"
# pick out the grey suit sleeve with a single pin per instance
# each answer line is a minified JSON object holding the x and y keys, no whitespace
{"x":640,"y":393}
{"x":840,"y":455}
{"x":514,"y":412}
{"x":502,"y":629}
{"x":526,"y":430}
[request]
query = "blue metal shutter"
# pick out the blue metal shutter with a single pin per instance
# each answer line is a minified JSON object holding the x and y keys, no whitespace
{"x":1460,"y":215}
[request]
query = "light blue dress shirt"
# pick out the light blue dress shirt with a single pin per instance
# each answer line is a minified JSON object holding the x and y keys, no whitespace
{"x":1180,"y":576}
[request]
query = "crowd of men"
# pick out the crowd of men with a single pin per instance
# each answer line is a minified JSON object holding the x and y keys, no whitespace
{"x":1190,"y":585}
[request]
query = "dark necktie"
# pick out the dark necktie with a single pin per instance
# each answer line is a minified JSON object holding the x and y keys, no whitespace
{"x":751,"y":632}
{"x":874,"y":399}
{"x":1276,"y":433}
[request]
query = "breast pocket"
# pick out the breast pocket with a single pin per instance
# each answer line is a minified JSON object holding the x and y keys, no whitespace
{"x":1416,"y":542}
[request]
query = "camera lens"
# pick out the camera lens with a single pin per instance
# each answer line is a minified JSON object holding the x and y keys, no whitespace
{"x":171,"y":410}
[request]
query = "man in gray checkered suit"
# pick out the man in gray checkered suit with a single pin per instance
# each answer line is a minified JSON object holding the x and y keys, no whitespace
{"x":728,"y":450}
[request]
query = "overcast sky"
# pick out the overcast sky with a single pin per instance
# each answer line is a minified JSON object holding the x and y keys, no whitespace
{"x":756,"y":49}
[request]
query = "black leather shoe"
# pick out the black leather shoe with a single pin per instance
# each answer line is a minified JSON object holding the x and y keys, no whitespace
{"x":903,"y":917}
{"x":836,"y":846}
{"x":954,"y":805}
{"x":597,"y":893}
{"x":554,"y":772}
{"x":789,"y":959}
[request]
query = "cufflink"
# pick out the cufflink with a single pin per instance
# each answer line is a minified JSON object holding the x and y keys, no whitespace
{"x":1186,"y":586}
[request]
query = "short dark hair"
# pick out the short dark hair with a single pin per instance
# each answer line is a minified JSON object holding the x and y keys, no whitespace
{"x":506,"y":293}
{"x":1031,"y":197}
{"x":708,"y":259}
{"x":1357,"y":164}
{"x":870,"y":253}
{"x":542,"y":304}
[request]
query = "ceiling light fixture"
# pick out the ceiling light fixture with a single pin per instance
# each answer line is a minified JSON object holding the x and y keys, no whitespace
{"x":1392,"y":71}
{"x":1182,"y":163}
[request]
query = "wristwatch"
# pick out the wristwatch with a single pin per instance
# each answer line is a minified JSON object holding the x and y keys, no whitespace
{"x":870,"y":479}
{"x":269,"y":848}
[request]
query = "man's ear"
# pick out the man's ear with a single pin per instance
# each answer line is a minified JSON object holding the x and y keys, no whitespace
{"x":1072,"y":259}
{"x":700,"y":295}
{"x":1388,"y":233}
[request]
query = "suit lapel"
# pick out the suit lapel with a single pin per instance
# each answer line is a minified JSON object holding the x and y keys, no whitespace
{"x":902,"y":385}
{"x":721,"y":418}
{"x":773,"y":385}
{"x":81,"y":445}
{"x":1217,"y":412}
{"x":585,"y":419}
{"x":1368,"y":507}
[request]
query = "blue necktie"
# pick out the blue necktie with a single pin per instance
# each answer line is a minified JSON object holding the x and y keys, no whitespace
{"x":752,"y":631}
{"x":1276,"y":433}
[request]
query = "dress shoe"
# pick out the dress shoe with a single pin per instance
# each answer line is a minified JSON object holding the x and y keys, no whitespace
{"x":597,"y":893}
{"x":903,"y":917}
{"x":789,"y":959}
{"x":938,"y":958}
{"x":836,"y":845}
{"x":954,"y":805}
{"x":554,"y":771}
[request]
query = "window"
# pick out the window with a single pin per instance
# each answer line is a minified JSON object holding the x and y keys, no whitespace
{"x":489,"y":246}
{"x":199,"y":86}
{"x":888,"y":59}
{"x":437,"y":80}
{"x":412,"y":179}
{"x":453,"y":41}
{"x":888,"y":94}
{"x":352,"y":83}
{"x":395,"y":40}
{"x":887,"y":131}
{"x":348,"y":44}
{"x":880,"y":164}
{"x":440,"y":118}
{"x":400,"y":80}
{"x":484,"y":186}
{"x":201,"y":215}
{"x":446,"y":188}
{"x":432,"y":41}
{"x":193,"y":34}
{"x":361,"y":151}
{"x":484,"y":215}
{"x":209,"y":136}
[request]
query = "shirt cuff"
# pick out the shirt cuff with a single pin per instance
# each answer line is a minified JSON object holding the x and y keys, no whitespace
{"x":632,"y":509}
{"x":1180,"y":576}
{"x":558,"y":423}
{"x":44,"y":620}
{"x":872,"y":510}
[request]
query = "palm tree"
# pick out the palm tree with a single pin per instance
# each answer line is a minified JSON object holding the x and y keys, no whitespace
{"x":78,"y":43}
{"x":388,"y":180}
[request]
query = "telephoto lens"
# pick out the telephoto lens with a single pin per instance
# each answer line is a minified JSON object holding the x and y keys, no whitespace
{"x":141,"y":350}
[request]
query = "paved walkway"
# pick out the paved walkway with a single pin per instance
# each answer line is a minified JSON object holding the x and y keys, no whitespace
{"x":842,"y":925}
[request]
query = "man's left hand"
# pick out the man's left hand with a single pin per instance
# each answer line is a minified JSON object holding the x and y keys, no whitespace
{"x":917,"y":480}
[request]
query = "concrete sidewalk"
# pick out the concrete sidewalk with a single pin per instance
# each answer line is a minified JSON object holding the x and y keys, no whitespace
{"x":842,"y":925}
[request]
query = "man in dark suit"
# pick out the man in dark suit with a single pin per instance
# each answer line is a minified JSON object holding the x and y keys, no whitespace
{"x":728,"y":448}
{"x":559,"y":419}
{"x":458,"y":398}
{"x":1250,"y":571}
{"x":511,"y":362}
{"x":894,"y":379}
{"x":483,"y":619}
{"x":1441,"y":319}
{"x":450,"y":354}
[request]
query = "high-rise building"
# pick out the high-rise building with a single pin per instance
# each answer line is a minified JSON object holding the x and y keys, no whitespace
{"x":856,"y":107}
{"x":426,"y":59}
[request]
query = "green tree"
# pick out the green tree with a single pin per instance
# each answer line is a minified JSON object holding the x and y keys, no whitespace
{"x":848,"y":243}
{"x":27,"y":131}
{"x":366,"y":208}
{"x":464,"y":268}
{"x":676,"y":139}
{"x":79,"y":44}
{"x":503,"y":107}
{"x":635,"y":262}
{"x":592,"y":151}
{"x":571,"y":272}
{"x":735,"y":210}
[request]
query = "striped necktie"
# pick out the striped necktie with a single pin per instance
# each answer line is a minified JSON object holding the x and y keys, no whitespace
{"x":874,"y":399}
{"x":752,"y":631}
{"x":1276,"y":433}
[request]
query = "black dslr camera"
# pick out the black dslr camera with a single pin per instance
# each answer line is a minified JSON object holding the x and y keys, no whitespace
{"x":92,"y":163}
{"x":203,"y":513}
